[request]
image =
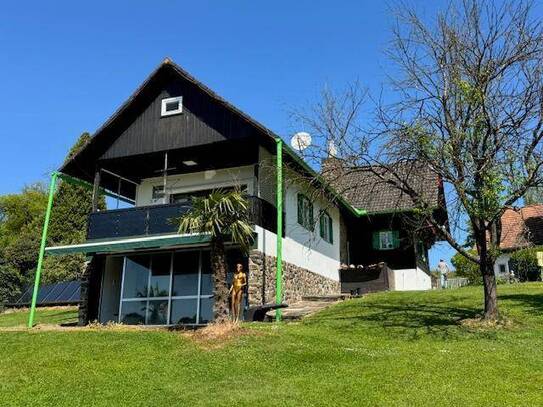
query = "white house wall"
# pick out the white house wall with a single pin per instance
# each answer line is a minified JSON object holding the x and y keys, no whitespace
{"x":503,"y":259}
{"x":302,"y":247}
{"x":197,"y":181}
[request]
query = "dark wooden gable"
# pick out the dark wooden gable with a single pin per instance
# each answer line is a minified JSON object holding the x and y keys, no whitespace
{"x":137,"y":128}
{"x":203,"y":121}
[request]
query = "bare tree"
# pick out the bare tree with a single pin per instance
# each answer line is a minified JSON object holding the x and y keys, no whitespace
{"x":467,"y":103}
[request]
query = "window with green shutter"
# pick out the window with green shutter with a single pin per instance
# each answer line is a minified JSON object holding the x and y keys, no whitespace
{"x":386,"y":240}
{"x":326,"y":228}
{"x":305,"y":212}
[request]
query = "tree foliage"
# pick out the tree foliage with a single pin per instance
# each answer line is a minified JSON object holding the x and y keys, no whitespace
{"x":466,"y":268}
{"x":524,"y":264}
{"x":21,"y":224}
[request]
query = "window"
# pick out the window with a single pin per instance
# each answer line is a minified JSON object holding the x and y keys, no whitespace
{"x":326,"y":229}
{"x":167,"y":288}
{"x":305,"y":212}
{"x":171,"y":106}
{"x":158,"y":193}
{"x":386,"y":240}
{"x":503,"y":270}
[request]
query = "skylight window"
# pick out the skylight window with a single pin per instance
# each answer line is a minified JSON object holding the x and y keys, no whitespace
{"x":171,"y":106}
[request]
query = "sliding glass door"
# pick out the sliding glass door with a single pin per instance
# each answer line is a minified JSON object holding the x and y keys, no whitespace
{"x":167,"y":289}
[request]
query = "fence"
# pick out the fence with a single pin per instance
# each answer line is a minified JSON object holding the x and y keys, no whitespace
{"x":456,"y":282}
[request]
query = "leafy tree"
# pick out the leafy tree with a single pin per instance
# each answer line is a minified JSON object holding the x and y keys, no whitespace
{"x":68,"y":224}
{"x":224,"y":216}
{"x":21,"y":216}
{"x":466,"y":268}
{"x":524,"y":264}
{"x":11,"y":283}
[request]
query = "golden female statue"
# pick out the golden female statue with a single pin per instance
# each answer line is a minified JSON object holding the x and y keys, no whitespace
{"x":238,"y":283}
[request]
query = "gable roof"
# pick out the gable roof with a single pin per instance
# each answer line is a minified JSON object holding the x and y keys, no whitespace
{"x":106,"y":135}
{"x":522,"y":227}
{"x":364,"y":189}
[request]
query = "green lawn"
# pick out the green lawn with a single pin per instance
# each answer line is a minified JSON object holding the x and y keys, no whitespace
{"x":401,"y":349}
{"x":56,"y":315}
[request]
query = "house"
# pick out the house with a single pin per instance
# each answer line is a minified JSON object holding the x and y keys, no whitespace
{"x":521,"y":228}
{"x":174,"y":139}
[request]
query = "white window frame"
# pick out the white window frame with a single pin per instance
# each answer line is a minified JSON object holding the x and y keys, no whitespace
{"x":164,"y":112}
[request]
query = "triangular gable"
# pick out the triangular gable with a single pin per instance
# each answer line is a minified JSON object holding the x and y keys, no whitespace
{"x":138,"y":128}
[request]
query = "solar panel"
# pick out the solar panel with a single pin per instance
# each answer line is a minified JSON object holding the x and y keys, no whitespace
{"x":63,"y":293}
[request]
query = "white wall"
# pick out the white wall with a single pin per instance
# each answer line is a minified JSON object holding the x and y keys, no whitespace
{"x":502,"y":259}
{"x":411,"y":280}
{"x":197,"y":181}
{"x":302,"y":247}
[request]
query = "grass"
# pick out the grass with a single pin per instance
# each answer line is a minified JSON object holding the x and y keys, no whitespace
{"x":47,"y":316}
{"x":387,"y":349}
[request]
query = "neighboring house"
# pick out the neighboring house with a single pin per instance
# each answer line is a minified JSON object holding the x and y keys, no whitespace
{"x":521,"y":228}
{"x":174,"y":139}
{"x":387,"y":233}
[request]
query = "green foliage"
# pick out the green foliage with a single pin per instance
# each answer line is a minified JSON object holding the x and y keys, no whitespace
{"x":68,"y":224}
{"x":222,"y":215}
{"x":21,"y":217}
{"x":21,"y":223}
{"x":11,"y":283}
{"x":524,"y":264}
{"x":466,"y":268}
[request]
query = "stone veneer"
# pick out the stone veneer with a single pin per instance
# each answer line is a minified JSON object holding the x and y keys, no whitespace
{"x":297,"y":281}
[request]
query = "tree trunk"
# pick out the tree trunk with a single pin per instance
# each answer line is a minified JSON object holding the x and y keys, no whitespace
{"x":220,"y":288}
{"x":489,"y":283}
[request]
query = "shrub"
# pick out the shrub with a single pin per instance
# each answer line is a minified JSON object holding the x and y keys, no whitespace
{"x":524,"y":264}
{"x":466,"y":268}
{"x":11,"y":283}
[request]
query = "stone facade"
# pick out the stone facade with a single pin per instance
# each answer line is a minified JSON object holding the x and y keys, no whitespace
{"x":297,"y":281}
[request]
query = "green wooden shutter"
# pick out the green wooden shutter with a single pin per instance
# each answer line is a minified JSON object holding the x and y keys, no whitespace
{"x":331,"y":229}
{"x":396,"y":238}
{"x":300,"y":209}
{"x":375,"y":241}
{"x":311,"y":225}
{"x":321,"y":225}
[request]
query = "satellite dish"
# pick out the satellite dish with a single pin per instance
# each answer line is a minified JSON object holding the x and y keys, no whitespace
{"x":300,"y":141}
{"x":332,"y":149}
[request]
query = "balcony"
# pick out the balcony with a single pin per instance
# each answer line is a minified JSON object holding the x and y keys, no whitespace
{"x":161,"y":219}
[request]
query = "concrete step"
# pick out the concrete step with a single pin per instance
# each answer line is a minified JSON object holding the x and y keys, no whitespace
{"x":322,"y":298}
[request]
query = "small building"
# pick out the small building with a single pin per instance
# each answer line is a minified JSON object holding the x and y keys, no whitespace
{"x":521,"y":228}
{"x":175,"y":139}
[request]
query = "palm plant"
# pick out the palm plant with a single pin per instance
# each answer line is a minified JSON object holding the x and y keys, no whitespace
{"x":224,"y":216}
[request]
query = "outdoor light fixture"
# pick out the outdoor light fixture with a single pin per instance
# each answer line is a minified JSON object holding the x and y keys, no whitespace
{"x":190,"y":163}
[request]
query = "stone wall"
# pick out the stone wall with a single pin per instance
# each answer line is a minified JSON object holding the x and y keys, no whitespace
{"x":297,"y":281}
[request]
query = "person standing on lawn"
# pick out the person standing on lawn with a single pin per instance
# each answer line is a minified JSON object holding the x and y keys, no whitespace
{"x":443,"y":271}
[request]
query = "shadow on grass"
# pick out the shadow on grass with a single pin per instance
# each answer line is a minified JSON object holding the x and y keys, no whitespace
{"x":412,"y":321}
{"x":530,"y":302}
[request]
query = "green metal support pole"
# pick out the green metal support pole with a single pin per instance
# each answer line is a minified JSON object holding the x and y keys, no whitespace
{"x":42,"y":248}
{"x":279,"y":205}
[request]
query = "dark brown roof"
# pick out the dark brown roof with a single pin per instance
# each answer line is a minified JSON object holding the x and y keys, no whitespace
{"x":364,"y":189}
{"x":522,"y":227}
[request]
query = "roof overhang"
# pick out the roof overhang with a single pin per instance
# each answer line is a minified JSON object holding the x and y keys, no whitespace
{"x":124,"y":245}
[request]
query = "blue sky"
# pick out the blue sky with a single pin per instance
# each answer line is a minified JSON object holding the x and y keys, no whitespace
{"x":66,"y":66}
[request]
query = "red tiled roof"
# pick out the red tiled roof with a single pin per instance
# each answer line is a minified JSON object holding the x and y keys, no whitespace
{"x":522,"y":227}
